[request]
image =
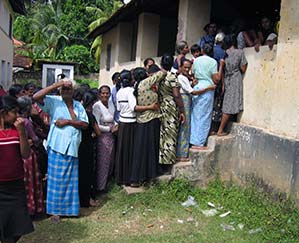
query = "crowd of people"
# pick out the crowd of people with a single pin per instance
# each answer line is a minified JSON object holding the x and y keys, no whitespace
{"x":61,"y":144}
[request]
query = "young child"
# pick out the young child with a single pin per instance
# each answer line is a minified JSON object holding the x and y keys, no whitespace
{"x":195,"y":51}
{"x":14,"y":217}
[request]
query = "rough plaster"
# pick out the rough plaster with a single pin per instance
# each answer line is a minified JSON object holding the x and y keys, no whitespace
{"x":247,"y":155}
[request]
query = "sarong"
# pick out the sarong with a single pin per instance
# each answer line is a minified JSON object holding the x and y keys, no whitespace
{"x":62,"y":189}
{"x":201,"y":117}
{"x":106,"y":145}
{"x":184,"y":130}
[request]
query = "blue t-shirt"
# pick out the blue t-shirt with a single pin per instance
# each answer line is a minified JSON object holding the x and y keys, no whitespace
{"x":218,"y":54}
{"x":203,"y":68}
{"x":207,"y":39}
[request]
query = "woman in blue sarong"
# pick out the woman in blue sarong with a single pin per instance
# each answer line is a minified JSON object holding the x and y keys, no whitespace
{"x":187,"y":91}
{"x":68,"y":117}
{"x":205,"y":71}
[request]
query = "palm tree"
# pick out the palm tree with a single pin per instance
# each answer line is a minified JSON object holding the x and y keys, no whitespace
{"x":103,"y":14}
{"x":47,"y":39}
{"x":48,"y":34}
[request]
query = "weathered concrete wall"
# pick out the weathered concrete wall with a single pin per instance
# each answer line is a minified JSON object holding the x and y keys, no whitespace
{"x":108,"y":38}
{"x":147,"y":46}
{"x":264,"y":157}
{"x":258,"y":82}
{"x":271,"y":83}
{"x":248,"y":154}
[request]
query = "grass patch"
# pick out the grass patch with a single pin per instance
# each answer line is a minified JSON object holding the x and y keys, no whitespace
{"x":154,"y":216}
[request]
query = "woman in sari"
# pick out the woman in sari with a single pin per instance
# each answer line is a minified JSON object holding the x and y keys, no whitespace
{"x":186,"y":91}
{"x":205,"y":71}
{"x":172,"y":110}
{"x":103,"y":110}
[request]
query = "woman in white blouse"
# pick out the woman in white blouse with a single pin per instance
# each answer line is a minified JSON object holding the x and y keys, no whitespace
{"x":103,"y":110}
{"x":186,"y":90}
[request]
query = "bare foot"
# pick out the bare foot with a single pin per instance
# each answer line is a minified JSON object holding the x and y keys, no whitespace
{"x":182,"y":159}
{"x":213,"y":133}
{"x":199,"y":147}
{"x":221,"y":134}
{"x":94,"y":203}
{"x":55,"y":219}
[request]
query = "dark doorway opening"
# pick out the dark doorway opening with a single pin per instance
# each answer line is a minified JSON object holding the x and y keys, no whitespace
{"x":225,"y":12}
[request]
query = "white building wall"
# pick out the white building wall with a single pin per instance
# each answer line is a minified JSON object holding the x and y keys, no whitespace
{"x":6,"y":45}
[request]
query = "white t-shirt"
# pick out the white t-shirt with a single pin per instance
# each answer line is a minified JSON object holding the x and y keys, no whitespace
{"x":185,"y":84}
{"x":125,"y":103}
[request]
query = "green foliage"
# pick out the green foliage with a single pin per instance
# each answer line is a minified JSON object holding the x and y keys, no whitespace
{"x":22,"y":30}
{"x":102,"y":13}
{"x":81,"y":55}
{"x":53,"y":26}
{"x":92,"y":83}
{"x":152,"y":216}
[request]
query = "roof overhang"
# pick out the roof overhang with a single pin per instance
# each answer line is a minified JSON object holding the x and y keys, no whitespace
{"x":132,"y":10}
{"x":18,"y":6}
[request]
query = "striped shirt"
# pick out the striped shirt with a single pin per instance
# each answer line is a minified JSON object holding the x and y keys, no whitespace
{"x":11,"y":165}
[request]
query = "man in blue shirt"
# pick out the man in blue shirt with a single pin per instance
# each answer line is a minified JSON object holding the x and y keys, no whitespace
{"x":209,"y":38}
{"x":68,"y":117}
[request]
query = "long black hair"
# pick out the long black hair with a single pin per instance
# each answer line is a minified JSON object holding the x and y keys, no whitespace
{"x":8,"y":102}
{"x":167,"y":62}
{"x":125,"y":78}
{"x":15,"y":90}
{"x":116,"y":78}
{"x":139,"y":75}
{"x":88,"y":98}
{"x":229,"y":41}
